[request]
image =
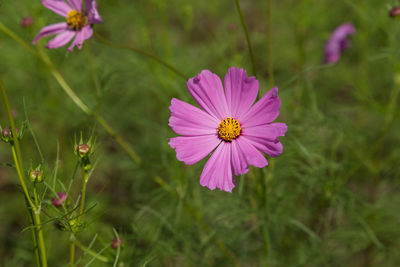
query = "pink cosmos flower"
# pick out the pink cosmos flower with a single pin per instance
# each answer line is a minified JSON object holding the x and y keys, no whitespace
{"x":58,"y":201}
{"x":78,"y":23}
{"x":227,"y":123}
{"x":338,"y":42}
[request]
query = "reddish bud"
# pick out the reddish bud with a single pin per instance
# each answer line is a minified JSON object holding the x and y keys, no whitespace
{"x":5,"y":132}
{"x":26,"y":22}
{"x":58,"y":201}
{"x":232,"y":26}
{"x":114,"y":243}
{"x":394,"y":12}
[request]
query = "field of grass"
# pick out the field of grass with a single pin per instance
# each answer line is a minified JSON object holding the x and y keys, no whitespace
{"x":331,"y":198}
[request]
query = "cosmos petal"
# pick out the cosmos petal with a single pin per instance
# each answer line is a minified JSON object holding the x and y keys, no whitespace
{"x":61,"y":39}
{"x":240,"y":90}
{"x":189,"y":120}
{"x":239,"y":163}
{"x":81,"y":36}
{"x":92,"y":12}
{"x":50,"y":30}
{"x":208,"y":92}
{"x":264,"y":111}
{"x":57,"y":6}
{"x":271,"y":148}
{"x":217,"y":172}
{"x":269,"y":131}
{"x":76,"y":4}
{"x":191,"y":149}
{"x":251,"y":155}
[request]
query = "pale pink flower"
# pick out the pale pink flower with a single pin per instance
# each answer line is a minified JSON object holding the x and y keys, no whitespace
{"x":78,"y":23}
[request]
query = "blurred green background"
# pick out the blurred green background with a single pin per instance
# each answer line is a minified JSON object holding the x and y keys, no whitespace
{"x":331,"y":199}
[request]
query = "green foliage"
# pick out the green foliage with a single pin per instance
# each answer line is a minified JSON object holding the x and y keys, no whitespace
{"x":331,"y":199}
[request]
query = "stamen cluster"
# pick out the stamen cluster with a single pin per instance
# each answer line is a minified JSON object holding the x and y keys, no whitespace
{"x":229,"y":129}
{"x":76,"y":20}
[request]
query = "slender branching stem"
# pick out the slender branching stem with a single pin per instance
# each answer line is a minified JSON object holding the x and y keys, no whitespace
{"x":269,"y":45}
{"x":39,"y":229}
{"x":80,"y":215}
{"x":72,"y":252}
{"x":16,"y":152}
{"x":34,"y":234}
{"x":83,"y":195}
{"x":246,"y":32}
{"x":144,"y":53}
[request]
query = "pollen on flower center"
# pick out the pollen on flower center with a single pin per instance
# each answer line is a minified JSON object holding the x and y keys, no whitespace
{"x":229,"y":129}
{"x":76,"y":20}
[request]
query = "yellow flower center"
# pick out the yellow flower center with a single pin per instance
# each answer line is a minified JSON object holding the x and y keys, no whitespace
{"x":76,"y":20}
{"x":229,"y":129}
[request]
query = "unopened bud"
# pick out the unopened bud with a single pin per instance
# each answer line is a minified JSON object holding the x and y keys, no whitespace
{"x":83,"y":149}
{"x":36,"y":175}
{"x":114,"y":243}
{"x":394,"y":12}
{"x":58,"y":201}
{"x":26,"y":22}
{"x":5,"y":133}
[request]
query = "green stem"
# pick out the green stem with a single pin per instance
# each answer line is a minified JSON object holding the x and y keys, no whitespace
{"x":144,"y":53}
{"x":74,"y":97}
{"x":39,"y":229}
{"x":16,"y":151}
{"x":80,"y":215}
{"x":15,"y":145}
{"x":72,"y":253}
{"x":21,"y":177}
{"x":269,"y":44}
{"x":30,"y":208}
{"x":83,"y":196}
{"x":34,"y":234}
{"x":246,"y":32}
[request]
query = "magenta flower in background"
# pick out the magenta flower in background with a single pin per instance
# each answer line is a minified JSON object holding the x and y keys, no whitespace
{"x":227,"y":123}
{"x":78,"y":23}
{"x":338,"y":42}
{"x":58,"y":201}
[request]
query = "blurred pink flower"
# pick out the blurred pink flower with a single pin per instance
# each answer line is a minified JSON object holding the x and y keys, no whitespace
{"x":338,"y":42}
{"x":26,"y":22}
{"x":394,"y":12}
{"x":229,"y":124}
{"x":58,"y":201}
{"x":78,"y":23}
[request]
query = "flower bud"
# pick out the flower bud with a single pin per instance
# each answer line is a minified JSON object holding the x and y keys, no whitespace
{"x":394,"y":12}
{"x":26,"y":22}
{"x":5,"y":133}
{"x":58,"y":201}
{"x":114,"y":242}
{"x":7,"y":136}
{"x":83,"y":150}
{"x":36,"y":175}
{"x":68,"y":224}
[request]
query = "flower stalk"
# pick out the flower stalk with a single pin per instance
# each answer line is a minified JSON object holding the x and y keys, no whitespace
{"x":37,"y":232}
{"x":246,"y":32}
{"x":269,"y":44}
